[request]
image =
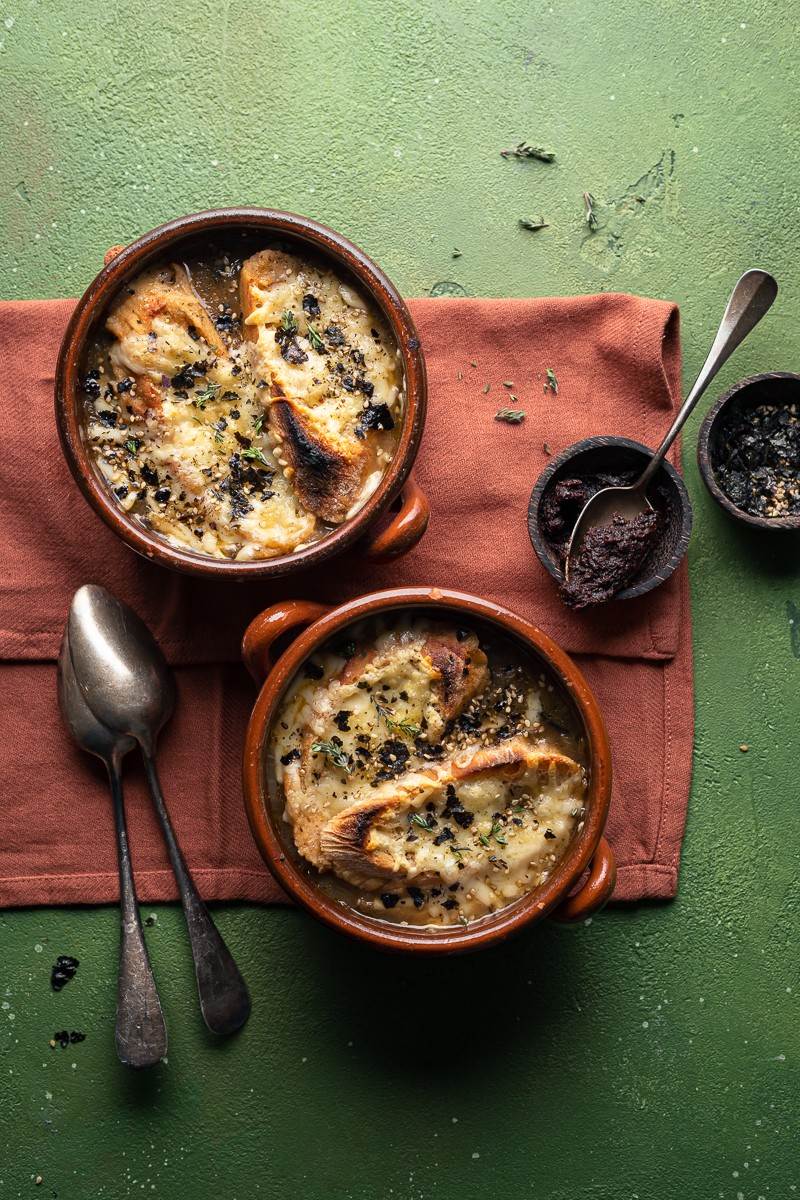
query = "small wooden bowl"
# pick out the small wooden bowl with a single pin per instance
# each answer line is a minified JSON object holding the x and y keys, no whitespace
{"x":123,"y":263}
{"x":273,"y":836}
{"x":772,"y":386}
{"x":614,"y":454}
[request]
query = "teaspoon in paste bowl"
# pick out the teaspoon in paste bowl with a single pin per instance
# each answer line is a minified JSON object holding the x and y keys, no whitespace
{"x":127,"y":684}
{"x":140,"y":1033}
{"x":750,"y":300}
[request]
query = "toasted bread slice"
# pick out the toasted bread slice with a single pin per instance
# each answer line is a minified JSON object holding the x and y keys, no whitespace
{"x":460,"y":818}
{"x":159,"y":327}
{"x":316,"y":399}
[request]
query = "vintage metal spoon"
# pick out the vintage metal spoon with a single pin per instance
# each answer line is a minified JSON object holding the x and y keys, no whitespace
{"x":127,"y":684}
{"x":750,"y":300}
{"x":140,"y":1034}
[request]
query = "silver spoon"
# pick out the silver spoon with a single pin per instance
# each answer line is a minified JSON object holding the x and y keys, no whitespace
{"x":128,"y":686}
{"x":140,"y":1033}
{"x":750,"y":300}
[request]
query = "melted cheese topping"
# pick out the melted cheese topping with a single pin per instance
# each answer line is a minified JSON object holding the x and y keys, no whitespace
{"x":427,"y":820}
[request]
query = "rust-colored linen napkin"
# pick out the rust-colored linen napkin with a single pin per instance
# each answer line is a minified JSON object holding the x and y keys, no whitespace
{"x":617,"y":362}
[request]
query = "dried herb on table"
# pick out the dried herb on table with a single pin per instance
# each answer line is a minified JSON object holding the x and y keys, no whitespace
{"x":510,"y":416}
{"x":63,"y":970}
{"x":590,"y":215}
{"x":552,"y":382}
{"x":533,"y":223}
{"x":524,"y":150}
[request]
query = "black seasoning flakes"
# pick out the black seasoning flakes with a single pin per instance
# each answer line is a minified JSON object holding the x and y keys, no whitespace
{"x":312,"y":670}
{"x":290,"y":756}
{"x":63,"y":970}
{"x":310,"y":305}
{"x":757,"y":458}
{"x":417,"y":896}
{"x":342,"y":720}
{"x":389,"y":899}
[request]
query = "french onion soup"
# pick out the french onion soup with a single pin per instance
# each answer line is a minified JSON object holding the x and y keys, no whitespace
{"x":243,"y":401}
{"x":427,"y":773}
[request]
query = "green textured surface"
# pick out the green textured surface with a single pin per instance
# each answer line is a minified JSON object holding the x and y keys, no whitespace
{"x":654,"y":1052}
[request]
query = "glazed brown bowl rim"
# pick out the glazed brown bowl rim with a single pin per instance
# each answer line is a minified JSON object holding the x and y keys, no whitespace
{"x":541,"y":546}
{"x":706,"y":466}
{"x":486,"y":930}
{"x":157,"y":243}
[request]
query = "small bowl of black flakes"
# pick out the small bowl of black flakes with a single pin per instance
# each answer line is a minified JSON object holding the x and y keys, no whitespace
{"x":748,"y":451}
{"x":569,"y":481}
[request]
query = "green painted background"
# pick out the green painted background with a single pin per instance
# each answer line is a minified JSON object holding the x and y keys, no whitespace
{"x":654,"y":1052}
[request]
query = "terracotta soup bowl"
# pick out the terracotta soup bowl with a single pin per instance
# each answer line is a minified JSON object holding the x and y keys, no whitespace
{"x":254,"y":228}
{"x":276,"y":646}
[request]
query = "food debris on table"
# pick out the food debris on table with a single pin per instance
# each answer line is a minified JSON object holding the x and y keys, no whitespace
{"x":524,"y":150}
{"x":551,"y":382}
{"x":63,"y":970}
{"x":589,"y":213}
{"x":533,"y":223}
{"x":511,"y":416}
{"x":65,"y":1037}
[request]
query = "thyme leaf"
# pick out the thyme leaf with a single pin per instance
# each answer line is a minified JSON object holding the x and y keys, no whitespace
{"x":510,"y":416}
{"x":524,"y":150}
{"x":406,"y":727}
{"x":289,"y":322}
{"x":591,"y":216}
{"x":423,"y":822}
{"x":335,"y":753}
{"x":255,"y":453}
{"x":552,"y":382}
{"x":209,"y":392}
{"x":315,"y":341}
{"x":533,"y":223}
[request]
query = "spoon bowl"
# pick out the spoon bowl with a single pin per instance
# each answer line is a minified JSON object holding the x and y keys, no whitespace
{"x":121,"y":671}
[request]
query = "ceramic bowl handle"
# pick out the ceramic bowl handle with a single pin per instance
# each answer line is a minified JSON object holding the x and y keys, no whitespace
{"x":405,"y":529}
{"x":595,"y":891}
{"x":265,"y":629}
{"x":111,"y":253}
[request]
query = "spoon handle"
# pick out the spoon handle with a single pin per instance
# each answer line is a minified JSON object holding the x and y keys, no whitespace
{"x":224,"y":999}
{"x":750,"y":300}
{"x":140,"y":1034}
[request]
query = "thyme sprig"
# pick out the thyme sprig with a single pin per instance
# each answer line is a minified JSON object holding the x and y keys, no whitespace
{"x":552,"y":382}
{"x":314,"y":338}
{"x":289,"y":322}
{"x":590,"y":215}
{"x":525,"y":150}
{"x":406,"y":727}
{"x":423,"y":822}
{"x":209,"y":392}
{"x":256,"y":454}
{"x":335,"y":753}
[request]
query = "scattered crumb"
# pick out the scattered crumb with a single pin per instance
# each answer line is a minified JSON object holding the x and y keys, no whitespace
{"x":744,"y":747}
{"x":546,"y":448}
